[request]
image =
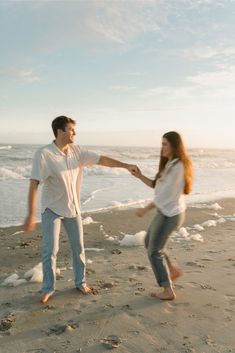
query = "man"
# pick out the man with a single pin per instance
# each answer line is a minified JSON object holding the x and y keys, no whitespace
{"x":59,"y":167}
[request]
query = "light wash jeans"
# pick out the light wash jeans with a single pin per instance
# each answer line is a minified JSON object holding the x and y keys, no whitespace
{"x":156,"y":241}
{"x":51,"y":224}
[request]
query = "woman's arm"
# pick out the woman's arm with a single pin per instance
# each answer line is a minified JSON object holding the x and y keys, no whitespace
{"x":149,"y":182}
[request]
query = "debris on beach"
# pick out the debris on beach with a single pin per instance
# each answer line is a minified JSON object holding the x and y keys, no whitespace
{"x":7,"y":322}
{"x":112,"y":341}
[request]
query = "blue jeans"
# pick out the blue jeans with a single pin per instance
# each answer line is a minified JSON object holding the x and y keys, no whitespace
{"x":156,"y":241}
{"x":51,"y":224}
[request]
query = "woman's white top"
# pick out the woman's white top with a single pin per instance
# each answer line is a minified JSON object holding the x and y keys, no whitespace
{"x":169,"y":189}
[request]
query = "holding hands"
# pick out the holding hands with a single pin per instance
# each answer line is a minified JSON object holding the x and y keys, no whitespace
{"x":133,"y":169}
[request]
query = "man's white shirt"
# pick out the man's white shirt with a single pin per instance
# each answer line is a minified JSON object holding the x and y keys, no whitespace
{"x":61,"y":176}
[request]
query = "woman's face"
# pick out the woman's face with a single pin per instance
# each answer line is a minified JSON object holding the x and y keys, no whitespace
{"x":166,"y":149}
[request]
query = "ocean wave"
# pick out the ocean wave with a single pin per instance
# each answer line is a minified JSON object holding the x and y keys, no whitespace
{"x":5,"y":147}
{"x":18,"y":173}
{"x":214,"y":164}
{"x":97,"y":170}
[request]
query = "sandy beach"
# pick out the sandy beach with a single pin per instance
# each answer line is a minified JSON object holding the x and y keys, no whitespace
{"x":121,"y":312}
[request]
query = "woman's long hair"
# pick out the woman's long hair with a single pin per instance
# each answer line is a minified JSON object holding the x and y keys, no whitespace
{"x":179,"y":152}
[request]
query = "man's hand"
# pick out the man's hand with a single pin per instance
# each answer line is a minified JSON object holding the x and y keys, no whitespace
{"x":29,"y":224}
{"x":30,"y":221}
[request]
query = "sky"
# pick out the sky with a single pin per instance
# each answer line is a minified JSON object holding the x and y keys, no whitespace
{"x":126,"y":71}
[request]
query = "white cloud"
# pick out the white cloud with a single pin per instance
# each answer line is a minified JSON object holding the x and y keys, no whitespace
{"x":220,"y":83}
{"x":26,"y":75}
{"x":123,"y":88}
{"x":208,"y":52}
{"x":51,"y":25}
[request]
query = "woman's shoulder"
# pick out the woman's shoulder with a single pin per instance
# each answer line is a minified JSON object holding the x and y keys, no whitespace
{"x":177,"y":166}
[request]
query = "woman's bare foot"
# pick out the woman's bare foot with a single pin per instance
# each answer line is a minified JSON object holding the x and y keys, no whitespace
{"x":175,"y":271}
{"x":45,"y":297}
{"x":85,"y":290}
{"x":167,"y":294}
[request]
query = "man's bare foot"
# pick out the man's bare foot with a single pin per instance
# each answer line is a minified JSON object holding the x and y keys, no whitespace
{"x":45,"y":297}
{"x":85,"y":290}
{"x":167,"y":294}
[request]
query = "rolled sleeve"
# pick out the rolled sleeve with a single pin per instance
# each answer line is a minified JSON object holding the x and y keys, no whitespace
{"x":89,"y":158}
{"x":38,"y":167}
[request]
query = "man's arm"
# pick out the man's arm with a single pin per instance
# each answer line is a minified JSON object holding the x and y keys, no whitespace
{"x":113,"y":163}
{"x":30,"y":221}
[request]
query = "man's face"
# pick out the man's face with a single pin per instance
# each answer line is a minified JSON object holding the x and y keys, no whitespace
{"x":69,"y":133}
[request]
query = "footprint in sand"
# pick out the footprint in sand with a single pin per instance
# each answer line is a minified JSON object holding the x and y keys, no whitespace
{"x":178,"y":286}
{"x":138,"y":283}
{"x":195,"y":264}
{"x":207,"y":286}
{"x":212,"y":306}
{"x":206,"y":259}
{"x":141,"y":289}
{"x":108,"y":285}
{"x":186,"y":304}
{"x":48,"y":307}
{"x":192,"y":284}
{"x":126,"y":307}
{"x":58,"y":329}
{"x":228,"y":318}
{"x":133,"y":333}
{"x":230,"y":298}
{"x":209,"y":341}
{"x":139,"y":268}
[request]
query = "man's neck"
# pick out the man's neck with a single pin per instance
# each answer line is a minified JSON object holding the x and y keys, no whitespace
{"x":62,"y":146}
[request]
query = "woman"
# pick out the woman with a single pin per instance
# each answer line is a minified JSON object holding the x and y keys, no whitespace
{"x":172,"y":182}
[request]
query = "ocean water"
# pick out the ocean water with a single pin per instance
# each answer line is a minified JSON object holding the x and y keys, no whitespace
{"x":105,"y":188}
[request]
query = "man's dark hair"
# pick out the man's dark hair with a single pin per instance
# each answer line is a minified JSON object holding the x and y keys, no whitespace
{"x":60,"y":123}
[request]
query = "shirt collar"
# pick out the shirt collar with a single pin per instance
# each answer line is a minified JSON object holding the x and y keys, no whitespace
{"x":172,"y":162}
{"x":57,"y":151}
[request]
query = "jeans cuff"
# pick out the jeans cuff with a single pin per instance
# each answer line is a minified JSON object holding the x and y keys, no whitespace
{"x":165,"y":284}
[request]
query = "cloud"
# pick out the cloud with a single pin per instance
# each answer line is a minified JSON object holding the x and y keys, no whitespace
{"x":218,"y":53}
{"x":210,"y":84}
{"x":123,"y":88}
{"x":51,"y":25}
{"x":220,"y":83}
{"x":26,"y":75}
{"x":48,"y":26}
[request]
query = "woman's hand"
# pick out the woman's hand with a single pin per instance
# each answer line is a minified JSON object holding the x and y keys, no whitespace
{"x":136,"y":172}
{"x":140,"y":212}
